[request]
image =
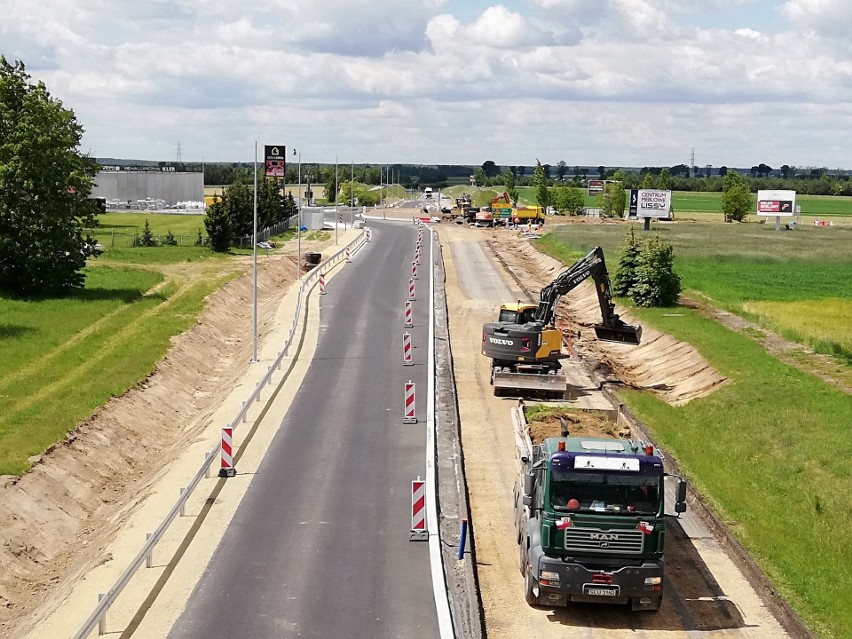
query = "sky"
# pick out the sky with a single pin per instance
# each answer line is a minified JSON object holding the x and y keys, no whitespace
{"x":589,"y":82}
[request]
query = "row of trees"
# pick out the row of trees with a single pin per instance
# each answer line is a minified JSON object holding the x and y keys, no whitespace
{"x":810,"y":182}
{"x":232,"y":215}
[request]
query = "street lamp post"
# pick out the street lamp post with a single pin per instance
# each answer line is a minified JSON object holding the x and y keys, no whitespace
{"x":299,"y":218}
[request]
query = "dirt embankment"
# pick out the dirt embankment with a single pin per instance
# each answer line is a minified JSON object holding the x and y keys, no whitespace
{"x":56,"y":519}
{"x":673,"y":370}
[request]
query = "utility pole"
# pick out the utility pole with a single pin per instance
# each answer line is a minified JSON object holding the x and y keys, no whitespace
{"x":254,"y":276}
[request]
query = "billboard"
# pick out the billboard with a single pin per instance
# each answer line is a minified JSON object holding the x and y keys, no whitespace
{"x":652,"y":203}
{"x":274,"y":156}
{"x":596,"y":186}
{"x":776,"y":203}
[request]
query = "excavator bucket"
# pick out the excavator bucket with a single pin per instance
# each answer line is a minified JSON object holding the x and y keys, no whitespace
{"x":624,"y":334}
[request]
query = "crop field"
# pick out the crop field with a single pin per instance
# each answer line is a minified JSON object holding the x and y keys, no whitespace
{"x":766,"y":449}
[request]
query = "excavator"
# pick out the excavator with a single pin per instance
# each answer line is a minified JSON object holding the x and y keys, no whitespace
{"x":525,"y":347}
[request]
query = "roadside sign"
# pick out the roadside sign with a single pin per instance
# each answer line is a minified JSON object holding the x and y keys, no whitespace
{"x":772,"y":203}
{"x":653,"y":203}
{"x":275,"y":161}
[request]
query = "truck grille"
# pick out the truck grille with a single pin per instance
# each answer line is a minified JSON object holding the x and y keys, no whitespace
{"x":604,"y":541}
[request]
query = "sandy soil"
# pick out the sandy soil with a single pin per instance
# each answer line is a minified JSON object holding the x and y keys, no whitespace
{"x":57,"y":519}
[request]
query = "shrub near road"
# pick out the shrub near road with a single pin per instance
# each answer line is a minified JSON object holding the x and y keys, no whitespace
{"x":770,"y":449}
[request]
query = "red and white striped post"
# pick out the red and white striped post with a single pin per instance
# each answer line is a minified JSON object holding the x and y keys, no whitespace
{"x":411,"y":297}
{"x":409,"y":319}
{"x":227,"y":467}
{"x":417,"y":256}
{"x":409,"y":404}
{"x":414,"y":270}
{"x":347,"y":255}
{"x":322,"y":283}
{"x":418,"y":511}
{"x":406,"y":350}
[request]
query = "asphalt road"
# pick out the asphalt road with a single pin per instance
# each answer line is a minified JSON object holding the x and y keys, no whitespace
{"x":319,"y":546}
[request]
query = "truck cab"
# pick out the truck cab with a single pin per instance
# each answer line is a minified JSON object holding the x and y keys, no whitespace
{"x":590,"y":516}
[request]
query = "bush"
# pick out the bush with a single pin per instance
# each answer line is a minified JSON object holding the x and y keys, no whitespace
{"x":170,"y":239}
{"x":628,"y":263}
{"x":147,"y":238}
{"x":656,"y":282}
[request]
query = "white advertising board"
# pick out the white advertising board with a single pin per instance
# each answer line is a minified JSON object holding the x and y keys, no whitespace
{"x":776,"y":203}
{"x":654,"y":203}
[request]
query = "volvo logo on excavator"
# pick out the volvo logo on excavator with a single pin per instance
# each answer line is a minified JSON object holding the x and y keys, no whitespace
{"x":502,"y":342}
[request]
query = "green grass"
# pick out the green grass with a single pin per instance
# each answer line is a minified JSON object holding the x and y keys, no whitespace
{"x":61,"y":358}
{"x":769,"y":451}
{"x":736,"y":265}
{"x":711,"y":202}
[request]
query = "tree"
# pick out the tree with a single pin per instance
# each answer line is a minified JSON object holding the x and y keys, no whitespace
{"x":602,"y":172}
{"x":664,"y":182}
{"x":723,"y":171}
{"x":511,"y":187}
{"x":479,"y":176}
{"x":169,"y":240}
{"x":539,"y":183}
{"x":490,"y":169}
{"x":45,"y":183}
{"x":147,"y":238}
{"x":612,"y":200}
{"x":218,"y":225}
{"x":567,"y":199}
{"x":656,"y":282}
{"x":628,"y":263}
{"x":736,"y":197}
{"x":561,"y":170}
{"x":648,"y":181}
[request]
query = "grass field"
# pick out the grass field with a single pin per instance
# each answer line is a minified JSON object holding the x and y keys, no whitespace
{"x":117,"y":230}
{"x":812,"y":205}
{"x":767,"y":450}
{"x":61,"y":358}
{"x":735,"y":266}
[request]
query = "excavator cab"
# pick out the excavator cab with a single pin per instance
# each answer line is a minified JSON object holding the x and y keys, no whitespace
{"x":517,"y":313}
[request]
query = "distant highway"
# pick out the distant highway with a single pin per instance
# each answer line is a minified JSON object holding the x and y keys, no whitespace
{"x":319,"y":546}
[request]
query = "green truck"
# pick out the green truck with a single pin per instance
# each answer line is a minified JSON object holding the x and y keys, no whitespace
{"x":590,"y":517}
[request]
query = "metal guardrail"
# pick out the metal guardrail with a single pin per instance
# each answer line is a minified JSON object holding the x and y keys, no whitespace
{"x":98,"y":616}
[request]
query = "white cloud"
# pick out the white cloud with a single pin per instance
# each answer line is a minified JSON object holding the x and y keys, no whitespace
{"x":832,"y":17}
{"x":619,"y":83}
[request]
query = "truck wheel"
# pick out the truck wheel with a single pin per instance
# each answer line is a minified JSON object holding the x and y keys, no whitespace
{"x":529,"y":592}
{"x":522,"y":558}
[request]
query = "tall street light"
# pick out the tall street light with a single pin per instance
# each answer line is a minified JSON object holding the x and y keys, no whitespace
{"x":299,"y":218}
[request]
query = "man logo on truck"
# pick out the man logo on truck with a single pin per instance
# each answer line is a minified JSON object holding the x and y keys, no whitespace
{"x":604,"y":536}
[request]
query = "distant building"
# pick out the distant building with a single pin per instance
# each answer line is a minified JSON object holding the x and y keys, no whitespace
{"x":141,"y":186}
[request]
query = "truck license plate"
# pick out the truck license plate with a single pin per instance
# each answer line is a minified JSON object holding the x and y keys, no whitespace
{"x":601,"y":592}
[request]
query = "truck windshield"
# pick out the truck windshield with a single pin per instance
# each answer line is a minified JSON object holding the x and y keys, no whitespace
{"x":610,"y":493}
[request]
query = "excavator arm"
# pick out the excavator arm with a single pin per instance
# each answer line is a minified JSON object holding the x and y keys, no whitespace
{"x":612,"y":328}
